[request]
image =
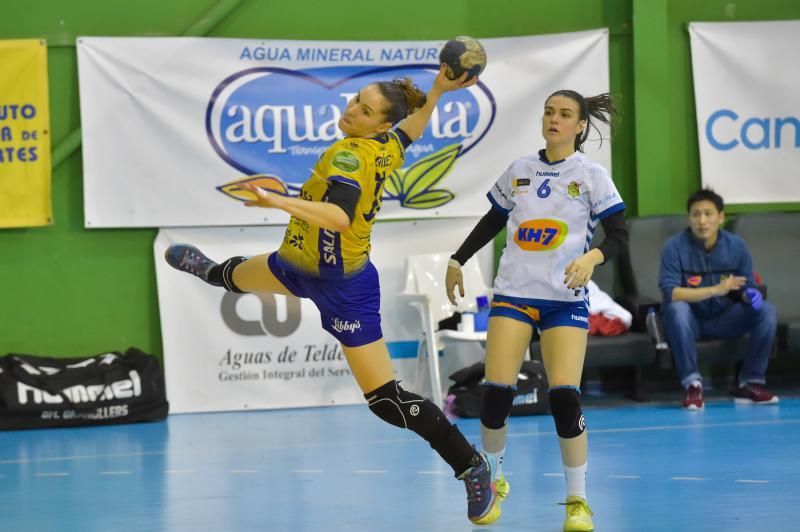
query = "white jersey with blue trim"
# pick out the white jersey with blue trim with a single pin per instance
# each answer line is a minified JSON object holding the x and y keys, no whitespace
{"x":553,"y":209}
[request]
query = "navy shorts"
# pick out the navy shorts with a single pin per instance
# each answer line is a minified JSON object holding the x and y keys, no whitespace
{"x":349,"y":308}
{"x":542,"y":313}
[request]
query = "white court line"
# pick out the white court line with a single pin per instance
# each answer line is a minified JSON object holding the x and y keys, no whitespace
{"x":414,"y":438}
{"x":51,"y":474}
{"x":423,"y":472}
{"x":243,"y":471}
{"x":81,"y":457}
{"x":667,"y":427}
{"x":553,"y":475}
{"x":178,"y":471}
{"x":116,"y":472}
{"x":753,"y":481}
{"x":630,"y":477}
{"x":687,"y":478}
{"x":307,"y":471}
{"x":371,"y":471}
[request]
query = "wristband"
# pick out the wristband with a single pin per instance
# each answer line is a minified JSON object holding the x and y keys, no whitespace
{"x":453,"y":263}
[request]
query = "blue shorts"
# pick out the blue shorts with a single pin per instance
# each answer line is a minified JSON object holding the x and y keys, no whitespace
{"x":542,"y":313}
{"x":350,"y":308}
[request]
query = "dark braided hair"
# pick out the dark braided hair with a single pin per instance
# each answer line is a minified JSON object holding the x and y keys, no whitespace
{"x":600,"y":107}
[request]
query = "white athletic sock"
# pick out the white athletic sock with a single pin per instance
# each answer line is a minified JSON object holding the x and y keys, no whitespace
{"x":576,"y":480}
{"x":498,"y":459}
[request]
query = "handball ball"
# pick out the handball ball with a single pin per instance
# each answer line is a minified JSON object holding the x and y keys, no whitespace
{"x":463,"y":54}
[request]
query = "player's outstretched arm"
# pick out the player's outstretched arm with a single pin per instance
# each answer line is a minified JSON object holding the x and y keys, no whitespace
{"x":322,"y":214}
{"x":415,"y":123}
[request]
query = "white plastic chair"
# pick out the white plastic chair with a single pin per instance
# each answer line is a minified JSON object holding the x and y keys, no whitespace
{"x":425,"y":291}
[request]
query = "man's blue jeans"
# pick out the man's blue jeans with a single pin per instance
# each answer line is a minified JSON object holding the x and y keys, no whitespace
{"x":683,"y":329}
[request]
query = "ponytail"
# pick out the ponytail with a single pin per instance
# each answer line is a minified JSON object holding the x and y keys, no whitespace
{"x":600,"y":107}
{"x":403,"y":96}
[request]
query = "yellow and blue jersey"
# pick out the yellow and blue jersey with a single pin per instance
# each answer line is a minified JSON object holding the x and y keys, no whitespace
{"x":359,"y":162}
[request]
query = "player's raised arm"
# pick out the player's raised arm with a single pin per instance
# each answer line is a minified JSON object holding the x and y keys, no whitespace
{"x":416,"y":123}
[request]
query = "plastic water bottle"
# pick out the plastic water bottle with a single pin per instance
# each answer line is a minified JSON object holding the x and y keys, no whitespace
{"x":482,"y":316}
{"x":654,"y":328}
{"x":467,"y":322}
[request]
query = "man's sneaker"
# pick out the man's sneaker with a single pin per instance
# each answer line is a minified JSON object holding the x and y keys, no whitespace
{"x":579,"y":515}
{"x":754,"y":394}
{"x":482,"y":507}
{"x":501,"y":487}
{"x":694,"y":397}
{"x":189,"y":259}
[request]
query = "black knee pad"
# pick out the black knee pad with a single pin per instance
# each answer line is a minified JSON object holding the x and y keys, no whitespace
{"x":227,"y":274}
{"x":565,"y":405}
{"x":408,"y":410}
{"x":404,"y":409}
{"x":497,"y":402}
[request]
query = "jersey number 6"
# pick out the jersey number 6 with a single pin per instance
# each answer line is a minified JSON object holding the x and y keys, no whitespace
{"x":543,"y":191}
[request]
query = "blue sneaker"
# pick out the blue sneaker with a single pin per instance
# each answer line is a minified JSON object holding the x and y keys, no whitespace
{"x":189,"y":259}
{"x":482,"y":507}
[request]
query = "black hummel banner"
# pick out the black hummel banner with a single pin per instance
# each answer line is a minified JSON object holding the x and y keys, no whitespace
{"x":110,"y":388}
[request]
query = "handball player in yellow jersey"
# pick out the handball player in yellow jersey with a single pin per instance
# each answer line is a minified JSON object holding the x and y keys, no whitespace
{"x":325,"y":257}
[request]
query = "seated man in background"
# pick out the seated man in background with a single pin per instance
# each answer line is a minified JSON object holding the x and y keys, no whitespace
{"x":706,"y":279}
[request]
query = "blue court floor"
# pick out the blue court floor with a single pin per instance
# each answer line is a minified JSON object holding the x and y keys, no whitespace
{"x":651,"y":468}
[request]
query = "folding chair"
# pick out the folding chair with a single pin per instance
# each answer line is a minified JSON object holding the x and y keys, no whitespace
{"x":425,"y":290}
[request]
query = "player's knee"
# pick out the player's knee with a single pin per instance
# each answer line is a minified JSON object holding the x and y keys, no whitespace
{"x":404,"y":409}
{"x":565,"y":405}
{"x":227,"y":268}
{"x":496,"y":406}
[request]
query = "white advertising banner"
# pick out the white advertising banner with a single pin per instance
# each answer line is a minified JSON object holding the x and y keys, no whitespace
{"x":225,"y":351}
{"x":171,"y":125}
{"x":748,"y":120}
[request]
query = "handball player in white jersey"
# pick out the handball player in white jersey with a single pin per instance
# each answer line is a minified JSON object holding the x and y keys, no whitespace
{"x":550,"y":202}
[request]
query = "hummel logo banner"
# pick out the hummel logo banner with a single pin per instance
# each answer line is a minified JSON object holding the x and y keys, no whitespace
{"x":38,"y":392}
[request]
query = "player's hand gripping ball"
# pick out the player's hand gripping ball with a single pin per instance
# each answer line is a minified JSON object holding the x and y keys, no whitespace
{"x":463,"y":54}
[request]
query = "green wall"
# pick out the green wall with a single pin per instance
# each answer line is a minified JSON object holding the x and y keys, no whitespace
{"x":71,"y":291}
